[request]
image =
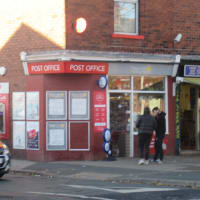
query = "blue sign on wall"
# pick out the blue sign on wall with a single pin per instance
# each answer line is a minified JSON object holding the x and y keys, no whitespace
{"x":192,"y":70}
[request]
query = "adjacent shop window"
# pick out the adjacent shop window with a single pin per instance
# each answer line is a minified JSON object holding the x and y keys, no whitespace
{"x":126,"y":16}
{"x":56,"y":105}
{"x":56,"y":135}
{"x":79,"y":104}
{"x":119,"y":82}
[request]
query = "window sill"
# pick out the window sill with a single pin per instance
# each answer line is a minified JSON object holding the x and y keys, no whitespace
{"x":137,"y":37}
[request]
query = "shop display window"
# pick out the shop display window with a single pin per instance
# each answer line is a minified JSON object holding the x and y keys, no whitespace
{"x":32,"y":135}
{"x":19,"y":137}
{"x":149,"y":83}
{"x":56,"y":135}
{"x":32,"y":105}
{"x":119,"y":82}
{"x":18,"y":102}
{"x":141,"y":100}
{"x":79,"y":104}
{"x":56,"y":105}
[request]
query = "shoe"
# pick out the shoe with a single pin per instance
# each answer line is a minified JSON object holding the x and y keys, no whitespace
{"x":146,"y":162}
{"x":141,"y":162}
{"x":159,"y":161}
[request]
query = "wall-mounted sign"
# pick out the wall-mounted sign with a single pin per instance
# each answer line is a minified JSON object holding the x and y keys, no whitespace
{"x":86,"y":67}
{"x":102,"y":82}
{"x":46,"y":68}
{"x":192,"y":70}
{"x":99,"y":111}
{"x":67,"y":67}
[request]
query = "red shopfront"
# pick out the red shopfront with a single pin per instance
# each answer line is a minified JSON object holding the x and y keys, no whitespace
{"x":65,"y":111}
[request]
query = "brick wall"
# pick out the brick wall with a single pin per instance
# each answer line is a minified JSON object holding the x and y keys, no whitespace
{"x":160,"y":21}
{"x":28,"y":26}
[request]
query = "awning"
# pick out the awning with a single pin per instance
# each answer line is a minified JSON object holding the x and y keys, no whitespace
{"x":120,"y":63}
{"x":193,"y":81}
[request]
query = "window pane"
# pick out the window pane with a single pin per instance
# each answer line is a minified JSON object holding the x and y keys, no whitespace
{"x":140,"y":101}
{"x":124,"y":17}
{"x":119,"y":82}
{"x":120,"y":112}
{"x":149,"y":83}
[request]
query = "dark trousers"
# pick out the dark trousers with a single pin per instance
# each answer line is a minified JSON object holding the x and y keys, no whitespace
{"x":144,"y":142}
{"x":158,"y":148}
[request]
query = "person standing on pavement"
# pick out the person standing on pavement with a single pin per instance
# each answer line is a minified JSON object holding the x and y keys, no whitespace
{"x":160,"y":134}
{"x":146,"y":124}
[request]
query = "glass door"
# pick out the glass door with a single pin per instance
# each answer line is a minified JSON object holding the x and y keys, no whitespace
{"x":120,"y":123}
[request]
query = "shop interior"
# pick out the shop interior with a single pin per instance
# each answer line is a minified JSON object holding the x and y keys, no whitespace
{"x":189,"y":116}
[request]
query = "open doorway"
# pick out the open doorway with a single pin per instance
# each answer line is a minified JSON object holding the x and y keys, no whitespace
{"x":189,"y":117}
{"x":120,"y":123}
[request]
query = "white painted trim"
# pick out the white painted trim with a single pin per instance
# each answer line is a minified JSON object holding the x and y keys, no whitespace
{"x":74,"y":122}
{"x":166,"y":105}
{"x":131,"y":121}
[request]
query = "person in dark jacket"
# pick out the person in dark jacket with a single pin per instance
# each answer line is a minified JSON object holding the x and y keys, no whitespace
{"x":146,"y":124}
{"x":160,"y":134}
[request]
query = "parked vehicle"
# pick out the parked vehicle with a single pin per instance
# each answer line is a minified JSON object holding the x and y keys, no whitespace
{"x":5,"y":158}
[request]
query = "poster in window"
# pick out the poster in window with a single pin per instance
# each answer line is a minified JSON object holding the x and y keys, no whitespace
{"x":79,"y":105}
{"x":32,"y":132}
{"x":32,"y":105}
{"x":2,"y":118}
{"x":19,"y":135}
{"x":56,"y":135}
{"x":18,"y":102}
{"x":56,"y":105}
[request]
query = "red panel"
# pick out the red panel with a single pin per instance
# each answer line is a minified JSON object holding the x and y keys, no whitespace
{"x":79,"y":136}
{"x":137,"y":37}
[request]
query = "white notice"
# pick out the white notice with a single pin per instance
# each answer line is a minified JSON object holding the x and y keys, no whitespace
{"x":79,"y":106}
{"x":56,"y":107}
{"x":56,"y":137}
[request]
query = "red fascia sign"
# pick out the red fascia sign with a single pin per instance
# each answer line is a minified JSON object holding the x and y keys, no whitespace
{"x":46,"y":68}
{"x":56,"y":67}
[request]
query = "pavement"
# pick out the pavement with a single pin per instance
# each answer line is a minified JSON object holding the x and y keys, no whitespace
{"x":182,"y":170}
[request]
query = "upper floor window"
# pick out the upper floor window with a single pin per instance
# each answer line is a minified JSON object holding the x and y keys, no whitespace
{"x":126,"y":16}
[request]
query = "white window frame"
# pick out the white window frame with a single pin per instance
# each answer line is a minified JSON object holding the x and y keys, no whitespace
{"x":131,"y":91}
{"x":137,"y":16}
